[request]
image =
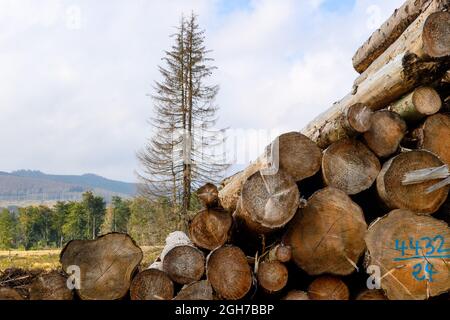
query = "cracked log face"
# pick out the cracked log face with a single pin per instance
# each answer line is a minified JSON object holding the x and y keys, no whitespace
{"x":435,"y":136}
{"x":268,"y":202}
{"x":327,"y":236}
{"x":272,"y":276}
{"x":413,"y":254}
{"x":106,"y":265}
{"x":210,"y":228}
{"x":229,"y":273}
{"x":350,"y":166}
{"x":184,"y":264}
{"x":152,"y":284}
{"x":200,"y":290}
{"x":328,"y":288}
{"x":412,"y":197}
{"x":51,"y":286}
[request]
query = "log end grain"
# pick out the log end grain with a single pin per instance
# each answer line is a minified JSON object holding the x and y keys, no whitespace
{"x":436,"y":35}
{"x":51,"y":286}
{"x":426,"y":101}
{"x":9,"y":294}
{"x":208,"y":195}
{"x":371,"y":295}
{"x":435,"y":136}
{"x":200,"y":290}
{"x":152,"y":284}
{"x":328,"y":288}
{"x":359,"y":117}
{"x":272,"y":276}
{"x":210,"y":228}
{"x":296,"y":295}
{"x":184,"y":264}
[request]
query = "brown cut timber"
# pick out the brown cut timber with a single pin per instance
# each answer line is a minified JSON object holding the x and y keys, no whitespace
{"x":427,"y":38}
{"x":328,"y":288}
{"x":229,"y":273}
{"x":200,"y":290}
{"x":371,"y":295}
{"x":350,"y":166}
{"x":359,"y":117}
{"x":387,"y":131}
{"x":390,"y":31}
{"x":184,"y":264}
{"x":51,"y":286}
{"x":422,"y":102}
{"x":327,"y":236}
{"x":272,"y":276}
{"x":210,"y":228}
{"x":106,"y":265}
{"x":297,"y":155}
{"x":208,"y":195}
{"x":435,"y":136}
{"x":152,"y":284}
{"x":268,"y":202}
{"x":9,"y":294}
{"x":296,"y":295}
{"x":412,"y":251}
{"x":280,"y":253}
{"x":413,"y":197}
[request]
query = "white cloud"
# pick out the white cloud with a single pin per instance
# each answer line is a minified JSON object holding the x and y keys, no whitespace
{"x":73,"y":89}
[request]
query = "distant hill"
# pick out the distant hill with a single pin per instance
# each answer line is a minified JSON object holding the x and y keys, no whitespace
{"x":30,"y":187}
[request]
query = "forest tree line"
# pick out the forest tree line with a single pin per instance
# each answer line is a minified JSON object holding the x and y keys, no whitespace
{"x":43,"y":227}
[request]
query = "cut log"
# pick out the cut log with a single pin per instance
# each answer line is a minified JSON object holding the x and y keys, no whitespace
{"x":435,"y":136}
{"x":328,"y":288}
{"x":184,"y":264}
{"x":413,"y":197}
{"x":272,"y":276}
{"x":173,"y":240}
{"x":371,"y":295}
{"x":229,"y":273}
{"x":359,"y":117}
{"x":210,"y":228}
{"x":422,"y":102}
{"x":427,"y":38}
{"x":350,"y":166}
{"x":387,"y":34}
{"x":280,"y":253}
{"x":106,"y":265}
{"x":51,"y":286}
{"x":208,"y":195}
{"x":297,"y":155}
{"x":268,"y":202}
{"x":412,"y":252}
{"x":200,"y":290}
{"x":327,"y":236}
{"x":9,"y":294}
{"x":152,"y":284}
{"x":387,"y":131}
{"x":296,"y":295}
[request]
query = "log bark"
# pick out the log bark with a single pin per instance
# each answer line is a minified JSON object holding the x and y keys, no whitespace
{"x":327,"y":236}
{"x":184,"y":264}
{"x":268,"y":202}
{"x":51,"y":286}
{"x":229,"y":273}
{"x":422,"y":102}
{"x":208,"y":195}
{"x":350,"y":166}
{"x":9,"y":294}
{"x":106,"y":265}
{"x":280,"y":253}
{"x":387,"y":34}
{"x":412,"y":251}
{"x":413,"y":197}
{"x":200,"y":290}
{"x":435,"y":136}
{"x":328,"y":288}
{"x":210,"y":228}
{"x":152,"y":284}
{"x":296,"y":295}
{"x":173,"y":240}
{"x":387,"y":131}
{"x":272,"y":276}
{"x":426,"y":38}
{"x":297,"y":155}
{"x":371,"y":295}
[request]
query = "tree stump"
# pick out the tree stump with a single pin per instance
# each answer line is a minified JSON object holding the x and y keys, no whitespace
{"x":350,"y":166}
{"x":210,"y":228}
{"x":413,"y":254}
{"x":327,"y":236}
{"x":328,"y":288}
{"x":106,"y":265}
{"x":51,"y":286}
{"x":412,"y":197}
{"x":152,"y":284}
{"x":229,"y":273}
{"x":272,"y":276}
{"x":200,"y":290}
{"x":184,"y":264}
{"x":386,"y":133}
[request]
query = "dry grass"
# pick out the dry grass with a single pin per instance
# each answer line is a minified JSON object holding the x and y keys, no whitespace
{"x":49,"y":259}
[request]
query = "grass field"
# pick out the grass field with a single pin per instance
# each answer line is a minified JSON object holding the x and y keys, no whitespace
{"x":49,"y":259}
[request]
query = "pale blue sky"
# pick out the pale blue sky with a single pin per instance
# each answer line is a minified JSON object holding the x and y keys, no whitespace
{"x":75,"y":74}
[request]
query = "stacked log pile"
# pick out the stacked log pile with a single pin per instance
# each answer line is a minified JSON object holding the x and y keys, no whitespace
{"x":356,"y":206}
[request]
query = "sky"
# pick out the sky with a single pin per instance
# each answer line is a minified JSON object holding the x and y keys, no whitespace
{"x":75,"y":76}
